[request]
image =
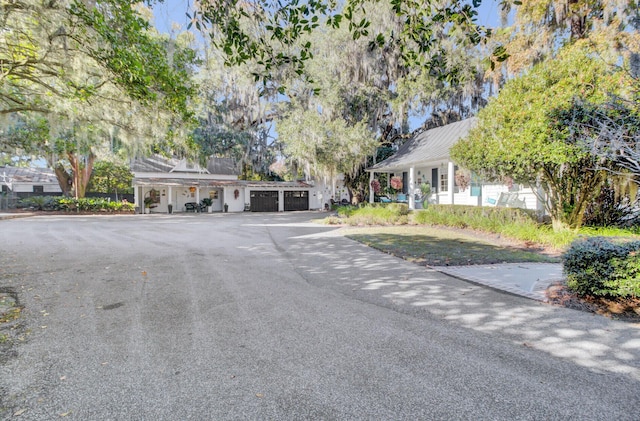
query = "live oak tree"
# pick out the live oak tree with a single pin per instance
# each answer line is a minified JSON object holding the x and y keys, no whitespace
{"x":533,"y":30}
{"x":354,"y":84}
{"x":84,"y":73}
{"x":325,"y":147}
{"x":234,"y":120}
{"x":270,"y":31}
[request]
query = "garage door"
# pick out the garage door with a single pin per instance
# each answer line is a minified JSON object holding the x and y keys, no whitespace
{"x":296,"y":200}
{"x":264,"y":201}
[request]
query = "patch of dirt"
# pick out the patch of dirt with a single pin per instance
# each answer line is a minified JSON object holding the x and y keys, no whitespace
{"x":623,"y":309}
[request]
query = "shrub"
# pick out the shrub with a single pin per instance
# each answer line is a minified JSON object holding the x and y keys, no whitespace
{"x":376,"y":214}
{"x":46,"y":203}
{"x":474,"y":216}
{"x":609,"y":209}
{"x":61,"y":203}
{"x":600,"y":267}
{"x":398,"y":209}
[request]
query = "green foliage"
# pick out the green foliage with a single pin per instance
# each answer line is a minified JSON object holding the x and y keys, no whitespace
{"x":61,"y":203}
{"x":376,"y":214}
{"x":400,"y":209}
{"x":38,"y":203}
{"x":523,"y":134}
{"x":109,"y":177}
{"x":519,"y":224}
{"x":297,"y":24}
{"x":600,"y":267}
{"x":137,"y":60}
{"x":79,"y":77}
{"x":327,"y":147}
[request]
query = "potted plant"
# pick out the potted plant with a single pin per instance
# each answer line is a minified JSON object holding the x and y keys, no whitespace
{"x":208,"y":203}
{"x":147,"y":204}
{"x":425,"y":192}
{"x":226,"y":208}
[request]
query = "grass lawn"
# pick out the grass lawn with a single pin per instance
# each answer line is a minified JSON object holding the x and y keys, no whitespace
{"x":435,"y":246}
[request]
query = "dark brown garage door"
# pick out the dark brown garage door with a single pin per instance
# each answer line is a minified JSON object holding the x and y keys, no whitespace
{"x":264,"y":201}
{"x":296,"y":200}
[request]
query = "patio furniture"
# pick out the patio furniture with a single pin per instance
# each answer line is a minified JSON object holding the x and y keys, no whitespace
{"x":191,"y":207}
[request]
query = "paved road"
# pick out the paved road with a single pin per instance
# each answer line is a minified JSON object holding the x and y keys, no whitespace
{"x":256,"y":316}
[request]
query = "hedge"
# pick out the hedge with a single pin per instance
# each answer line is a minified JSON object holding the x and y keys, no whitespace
{"x":61,"y":203}
{"x":601,"y":267}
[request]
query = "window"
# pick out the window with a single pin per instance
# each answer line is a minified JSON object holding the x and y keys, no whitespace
{"x":444,"y":182}
{"x":476,"y":185}
{"x":38,"y":189}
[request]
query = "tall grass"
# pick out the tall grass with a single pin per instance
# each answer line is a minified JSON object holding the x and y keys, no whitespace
{"x":513,"y":223}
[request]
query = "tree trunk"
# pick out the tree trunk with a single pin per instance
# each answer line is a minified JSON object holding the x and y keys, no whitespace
{"x":569,"y":195}
{"x":64,"y":179}
{"x":82,"y":173}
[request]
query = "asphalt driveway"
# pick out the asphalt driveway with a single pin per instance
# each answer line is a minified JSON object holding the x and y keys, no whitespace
{"x":268,"y":316}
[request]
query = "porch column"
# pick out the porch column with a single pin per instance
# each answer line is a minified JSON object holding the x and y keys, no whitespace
{"x":198,"y":198}
{"x":136,"y":198}
{"x":371,"y":192}
{"x":412,"y":186}
{"x":170,"y":198}
{"x":450,"y":181}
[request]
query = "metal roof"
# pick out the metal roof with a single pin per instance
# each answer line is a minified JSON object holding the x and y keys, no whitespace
{"x":193,"y":182}
{"x":429,"y":146}
{"x":28,"y":175}
{"x":160,"y":164}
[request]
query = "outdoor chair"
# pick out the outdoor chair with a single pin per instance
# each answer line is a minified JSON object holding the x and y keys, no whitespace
{"x":191,"y":207}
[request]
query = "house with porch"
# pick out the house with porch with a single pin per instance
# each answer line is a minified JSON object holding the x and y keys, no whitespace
{"x":425,"y":158}
{"x":168,"y":185}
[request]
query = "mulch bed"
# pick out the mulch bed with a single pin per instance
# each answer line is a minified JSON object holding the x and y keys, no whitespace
{"x":69,"y":212}
{"x":623,"y":309}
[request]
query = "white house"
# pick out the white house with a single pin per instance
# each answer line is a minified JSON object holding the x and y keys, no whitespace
{"x":425,"y":158}
{"x":181,"y":185}
{"x":29,"y":180}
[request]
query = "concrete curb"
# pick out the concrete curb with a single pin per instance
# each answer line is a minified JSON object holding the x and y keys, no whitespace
{"x":15,"y":215}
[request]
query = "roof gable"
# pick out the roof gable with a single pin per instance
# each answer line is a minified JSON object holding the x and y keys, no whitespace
{"x":160,"y":164}
{"x":428,"y":146}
